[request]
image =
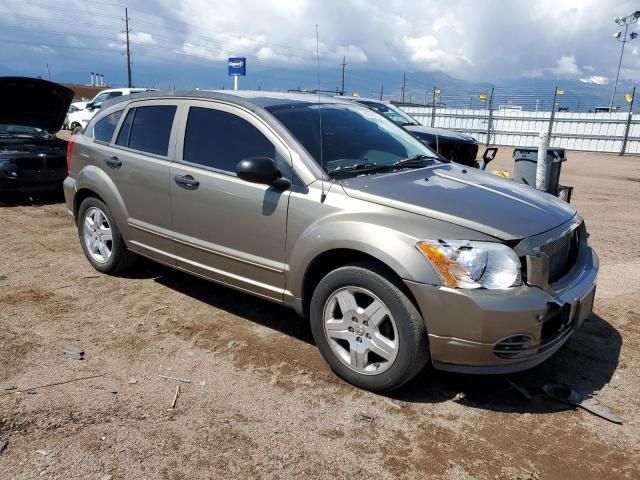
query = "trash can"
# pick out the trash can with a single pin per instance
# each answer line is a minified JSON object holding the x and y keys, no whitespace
{"x":526,"y":164}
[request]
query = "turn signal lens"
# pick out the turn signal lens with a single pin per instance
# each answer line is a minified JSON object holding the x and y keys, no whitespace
{"x":440,"y":261}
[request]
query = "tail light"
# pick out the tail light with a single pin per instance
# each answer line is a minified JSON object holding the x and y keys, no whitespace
{"x":69,"y":152}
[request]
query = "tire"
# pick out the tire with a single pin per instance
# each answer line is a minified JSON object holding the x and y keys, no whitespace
{"x":115,"y":257}
{"x":400,"y":331}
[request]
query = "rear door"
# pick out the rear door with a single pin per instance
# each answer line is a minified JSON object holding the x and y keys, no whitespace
{"x":138,"y":161}
{"x":227,"y":229}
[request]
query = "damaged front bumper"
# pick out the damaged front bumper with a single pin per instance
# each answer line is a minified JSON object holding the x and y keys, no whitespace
{"x":503,"y":331}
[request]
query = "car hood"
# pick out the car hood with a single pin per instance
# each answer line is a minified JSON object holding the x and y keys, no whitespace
{"x":471,"y":198}
{"x":33,"y":102}
{"x":443,"y":135}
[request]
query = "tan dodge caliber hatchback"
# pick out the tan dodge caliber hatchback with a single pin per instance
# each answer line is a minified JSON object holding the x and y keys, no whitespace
{"x":396,"y":257}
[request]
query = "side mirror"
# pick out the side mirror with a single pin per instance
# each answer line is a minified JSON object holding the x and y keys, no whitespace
{"x":262,"y":170}
{"x":93,"y":106}
{"x":489,"y":154}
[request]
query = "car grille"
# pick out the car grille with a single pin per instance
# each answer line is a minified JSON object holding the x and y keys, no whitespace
{"x":56,"y":162}
{"x":40,"y":163}
{"x":513,"y":347}
{"x":562,"y":253}
{"x":556,"y":326}
{"x":29,"y":163}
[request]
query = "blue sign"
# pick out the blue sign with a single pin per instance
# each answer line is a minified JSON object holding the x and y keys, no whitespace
{"x":237,"y":66}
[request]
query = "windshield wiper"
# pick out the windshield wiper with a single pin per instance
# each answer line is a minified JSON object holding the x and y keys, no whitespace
{"x":359,"y":168}
{"x":409,"y":124}
{"x":415,"y":161}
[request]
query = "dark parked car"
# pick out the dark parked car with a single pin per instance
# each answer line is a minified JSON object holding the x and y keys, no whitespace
{"x":31,"y":156}
{"x":454,"y":146}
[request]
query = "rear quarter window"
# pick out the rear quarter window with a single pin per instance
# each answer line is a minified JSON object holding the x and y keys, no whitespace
{"x":104,"y":128}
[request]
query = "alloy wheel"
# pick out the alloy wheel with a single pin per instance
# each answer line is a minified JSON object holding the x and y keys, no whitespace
{"x":97,"y":235}
{"x":360,"y":330}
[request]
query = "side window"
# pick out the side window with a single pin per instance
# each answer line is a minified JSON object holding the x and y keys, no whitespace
{"x":115,"y":94}
{"x":104,"y":128}
{"x":123,"y":134}
{"x":151,"y":128}
{"x":220,"y":140}
{"x":103,"y":97}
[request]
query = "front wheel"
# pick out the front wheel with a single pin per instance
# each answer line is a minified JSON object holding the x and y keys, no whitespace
{"x":367,"y":329}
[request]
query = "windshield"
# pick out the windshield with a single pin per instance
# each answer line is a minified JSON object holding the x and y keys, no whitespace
{"x":392,"y":112}
{"x":353,"y":137}
{"x":20,"y":129}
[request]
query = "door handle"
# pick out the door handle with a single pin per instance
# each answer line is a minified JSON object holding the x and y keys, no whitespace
{"x":187,"y":182}
{"x":113,"y":162}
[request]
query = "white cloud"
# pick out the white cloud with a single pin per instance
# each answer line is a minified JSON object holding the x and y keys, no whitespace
{"x":143,"y":38}
{"x":497,"y":40}
{"x":43,"y":49}
{"x":566,"y":67}
{"x":596,"y":79}
{"x":426,"y":51}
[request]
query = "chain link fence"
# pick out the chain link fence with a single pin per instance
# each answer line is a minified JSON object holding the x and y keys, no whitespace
{"x":501,"y":117}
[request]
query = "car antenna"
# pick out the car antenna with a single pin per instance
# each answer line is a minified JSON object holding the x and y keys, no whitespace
{"x":323,"y":195}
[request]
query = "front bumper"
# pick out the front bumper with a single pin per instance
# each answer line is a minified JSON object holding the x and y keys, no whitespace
{"x":13,"y":179}
{"x":502,"y":331}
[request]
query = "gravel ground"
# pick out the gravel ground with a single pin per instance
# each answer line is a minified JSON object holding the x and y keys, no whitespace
{"x":260,"y":402}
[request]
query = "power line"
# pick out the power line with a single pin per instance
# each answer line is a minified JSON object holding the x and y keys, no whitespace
{"x":57,"y":32}
{"x":57,"y":21}
{"x":50,"y":45}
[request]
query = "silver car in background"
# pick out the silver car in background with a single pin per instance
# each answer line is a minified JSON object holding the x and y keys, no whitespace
{"x":396,"y":257}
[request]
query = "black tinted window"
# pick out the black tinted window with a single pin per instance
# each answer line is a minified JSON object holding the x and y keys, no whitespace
{"x":104,"y":128}
{"x":151,"y":128}
{"x":220,"y":140}
{"x":123,"y":134}
{"x":115,"y":94}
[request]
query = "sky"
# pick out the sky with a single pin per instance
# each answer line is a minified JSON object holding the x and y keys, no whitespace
{"x":188,"y":42}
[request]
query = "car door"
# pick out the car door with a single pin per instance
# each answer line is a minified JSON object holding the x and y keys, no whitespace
{"x":227,"y":229}
{"x":138,"y":163}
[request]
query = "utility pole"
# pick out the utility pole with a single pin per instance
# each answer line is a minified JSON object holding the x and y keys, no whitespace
{"x":404,"y":84}
{"x":344,"y":64}
{"x":48,"y":72}
{"x":433,"y":107}
{"x":381,"y":91}
{"x":126,"y":31}
{"x":553,"y":113}
{"x":490,"y":119}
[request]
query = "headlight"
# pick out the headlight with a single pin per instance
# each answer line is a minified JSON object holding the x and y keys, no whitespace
{"x":466,"y":264}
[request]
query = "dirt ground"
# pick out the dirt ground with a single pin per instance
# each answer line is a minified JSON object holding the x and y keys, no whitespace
{"x":260,"y":402}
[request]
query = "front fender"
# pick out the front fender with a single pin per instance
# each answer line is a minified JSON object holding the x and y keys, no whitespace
{"x":394,"y":249}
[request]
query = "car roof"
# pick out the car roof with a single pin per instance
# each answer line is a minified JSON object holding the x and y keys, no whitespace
{"x":361,"y":99}
{"x":249,"y":98}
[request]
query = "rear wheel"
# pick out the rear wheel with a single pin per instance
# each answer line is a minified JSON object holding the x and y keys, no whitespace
{"x":100,"y":238}
{"x":367,"y":329}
